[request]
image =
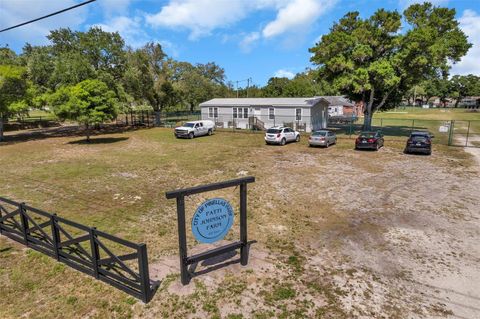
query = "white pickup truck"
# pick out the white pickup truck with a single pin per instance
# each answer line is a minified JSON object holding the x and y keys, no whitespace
{"x":195,"y":128}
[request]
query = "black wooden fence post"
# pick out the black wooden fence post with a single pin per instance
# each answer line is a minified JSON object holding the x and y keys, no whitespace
{"x":243,"y":225}
{"x":182,"y":239}
{"x":55,"y":236}
{"x":1,"y":221}
{"x":24,"y":220}
{"x":95,"y":252}
{"x":144,"y":275}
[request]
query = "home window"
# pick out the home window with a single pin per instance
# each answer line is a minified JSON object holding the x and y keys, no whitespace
{"x":215,"y":112}
{"x":240,"y":113}
{"x":210,"y":112}
{"x":271,"y":113}
{"x":245,"y":113}
{"x":298,"y":114}
{"x":234,"y":112}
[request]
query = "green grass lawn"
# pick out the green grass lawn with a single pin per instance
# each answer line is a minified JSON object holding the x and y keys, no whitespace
{"x":118,"y":183}
{"x":439,"y":114}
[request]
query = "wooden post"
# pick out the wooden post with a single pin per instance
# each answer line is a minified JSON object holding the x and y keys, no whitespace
{"x":95,"y":252}
{"x":144,"y":275}
{"x":24,"y":222}
{"x":55,"y":236}
{"x":182,"y":240}
{"x":243,"y":225}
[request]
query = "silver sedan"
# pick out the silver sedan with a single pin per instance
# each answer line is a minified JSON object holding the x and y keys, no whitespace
{"x":322,"y":138}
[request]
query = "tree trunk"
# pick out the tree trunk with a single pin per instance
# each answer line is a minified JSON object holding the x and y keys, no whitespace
{"x":88,"y":132}
{"x":157,"y":118}
{"x":456,"y":102}
{"x":367,"y":119}
{"x":1,"y":128}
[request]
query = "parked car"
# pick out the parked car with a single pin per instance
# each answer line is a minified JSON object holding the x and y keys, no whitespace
{"x":194,"y":129}
{"x":423,"y":133}
{"x":369,"y":140}
{"x":322,"y":138}
{"x":281,"y":135}
{"x":419,"y":142}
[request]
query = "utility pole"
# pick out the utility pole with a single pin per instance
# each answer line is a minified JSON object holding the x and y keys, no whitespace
{"x":248,"y":83}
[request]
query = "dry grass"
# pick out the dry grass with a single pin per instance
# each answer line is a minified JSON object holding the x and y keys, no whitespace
{"x":328,"y":224}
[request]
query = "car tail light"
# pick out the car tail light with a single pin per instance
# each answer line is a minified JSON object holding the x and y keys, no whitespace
{"x":427,"y":141}
{"x":278,"y":135}
{"x":357,"y":140}
{"x":371,"y":140}
{"x":322,"y":138}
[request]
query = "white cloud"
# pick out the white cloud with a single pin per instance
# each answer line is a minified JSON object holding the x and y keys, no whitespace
{"x":201,"y":17}
{"x":296,"y":15}
{"x":284,"y":74}
{"x":248,"y":41}
{"x":470,"y":64}
{"x":132,"y":31}
{"x":129,"y":28}
{"x":13,"y":12}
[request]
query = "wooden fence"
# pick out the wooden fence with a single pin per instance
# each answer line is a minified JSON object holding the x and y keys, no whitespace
{"x":84,"y":248}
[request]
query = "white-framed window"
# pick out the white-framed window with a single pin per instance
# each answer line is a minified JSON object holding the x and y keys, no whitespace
{"x":212,"y":112}
{"x":271,"y":113}
{"x":234,"y":112}
{"x":298,"y":114}
{"x":245,"y":112}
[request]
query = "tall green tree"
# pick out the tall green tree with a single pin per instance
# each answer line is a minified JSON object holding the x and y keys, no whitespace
{"x":13,"y":89}
{"x":8,"y":56}
{"x":196,"y":83}
{"x":88,"y":102}
{"x":145,"y":78}
{"x":371,"y":61}
{"x":463,"y":86}
{"x":275,"y":87}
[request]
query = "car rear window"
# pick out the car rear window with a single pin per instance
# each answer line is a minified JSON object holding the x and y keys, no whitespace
{"x":319,"y":133}
{"x":419,"y":138}
{"x":367,"y":135}
{"x":274,"y":131}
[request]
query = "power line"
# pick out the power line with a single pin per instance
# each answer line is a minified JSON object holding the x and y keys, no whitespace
{"x":49,"y":15}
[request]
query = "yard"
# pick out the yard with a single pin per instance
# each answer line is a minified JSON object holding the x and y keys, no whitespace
{"x":339,"y":233}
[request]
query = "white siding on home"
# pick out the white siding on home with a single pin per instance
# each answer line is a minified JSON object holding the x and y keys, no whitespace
{"x":311,"y":114}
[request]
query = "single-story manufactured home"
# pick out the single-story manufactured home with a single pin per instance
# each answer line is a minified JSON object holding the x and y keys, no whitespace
{"x":303,"y":114}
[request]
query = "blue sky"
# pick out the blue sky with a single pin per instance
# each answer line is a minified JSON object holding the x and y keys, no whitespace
{"x":248,"y":38}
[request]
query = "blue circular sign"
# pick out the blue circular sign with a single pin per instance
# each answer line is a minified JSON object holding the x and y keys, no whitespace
{"x":212,"y":220}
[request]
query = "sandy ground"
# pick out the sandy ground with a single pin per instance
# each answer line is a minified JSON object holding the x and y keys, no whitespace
{"x":405,"y":240}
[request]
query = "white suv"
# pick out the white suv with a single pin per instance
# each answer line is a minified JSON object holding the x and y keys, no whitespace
{"x":281,"y":135}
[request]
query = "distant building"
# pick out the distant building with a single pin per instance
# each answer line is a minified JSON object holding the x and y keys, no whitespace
{"x":340,"y":106}
{"x":470,"y":102}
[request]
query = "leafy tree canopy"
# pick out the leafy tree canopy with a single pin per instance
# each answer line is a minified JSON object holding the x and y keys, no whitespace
{"x":88,"y":102}
{"x":13,"y":89}
{"x":372,"y":61}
